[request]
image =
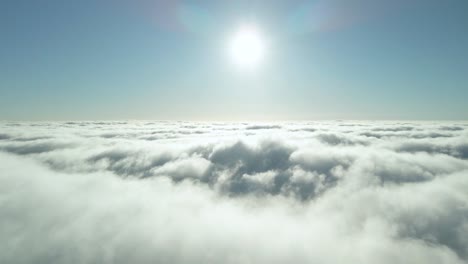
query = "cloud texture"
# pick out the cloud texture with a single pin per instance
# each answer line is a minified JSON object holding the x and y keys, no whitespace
{"x":182,"y":192}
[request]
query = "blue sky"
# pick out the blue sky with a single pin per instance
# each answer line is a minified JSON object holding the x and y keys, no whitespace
{"x":334,"y":59}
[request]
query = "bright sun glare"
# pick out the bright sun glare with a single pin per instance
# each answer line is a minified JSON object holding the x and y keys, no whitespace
{"x":247,"y":47}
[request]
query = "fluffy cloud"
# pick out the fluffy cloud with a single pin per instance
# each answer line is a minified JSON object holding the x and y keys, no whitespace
{"x":181,"y":192}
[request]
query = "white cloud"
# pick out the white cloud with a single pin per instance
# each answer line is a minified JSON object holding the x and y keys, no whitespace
{"x":316,"y":192}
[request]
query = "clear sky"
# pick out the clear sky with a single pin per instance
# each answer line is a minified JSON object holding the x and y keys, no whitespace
{"x":324,"y":59}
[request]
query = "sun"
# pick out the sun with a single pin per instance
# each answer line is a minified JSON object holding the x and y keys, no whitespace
{"x":247,"y":47}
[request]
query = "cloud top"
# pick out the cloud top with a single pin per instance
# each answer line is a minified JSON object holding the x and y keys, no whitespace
{"x":182,"y":192}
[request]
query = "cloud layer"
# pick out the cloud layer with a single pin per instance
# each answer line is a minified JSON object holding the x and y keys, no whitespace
{"x":182,"y":192}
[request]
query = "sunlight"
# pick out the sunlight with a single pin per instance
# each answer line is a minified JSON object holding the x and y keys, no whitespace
{"x":247,"y":47}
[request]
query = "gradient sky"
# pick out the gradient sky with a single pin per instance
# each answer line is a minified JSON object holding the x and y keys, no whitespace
{"x":327,"y":59}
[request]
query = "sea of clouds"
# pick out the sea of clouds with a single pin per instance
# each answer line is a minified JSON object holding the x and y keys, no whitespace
{"x":185,"y":192}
